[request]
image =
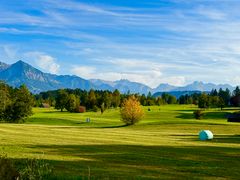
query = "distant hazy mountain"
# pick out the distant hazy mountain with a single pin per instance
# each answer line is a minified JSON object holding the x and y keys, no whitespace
{"x":132,"y":87}
{"x":200,"y":86}
{"x":164,"y":88}
{"x":103,"y":85}
{"x":22,"y":73}
{"x":123,"y":86}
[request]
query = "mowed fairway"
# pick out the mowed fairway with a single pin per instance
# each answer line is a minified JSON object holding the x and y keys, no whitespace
{"x":163,"y":145}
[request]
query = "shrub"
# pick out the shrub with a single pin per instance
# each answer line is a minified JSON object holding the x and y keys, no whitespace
{"x":7,"y":169}
{"x":198,"y":114}
{"x":36,"y":169}
{"x":28,"y":169}
{"x":131,"y":111}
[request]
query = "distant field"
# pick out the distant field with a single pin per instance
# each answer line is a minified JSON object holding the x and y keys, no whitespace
{"x":163,"y":145}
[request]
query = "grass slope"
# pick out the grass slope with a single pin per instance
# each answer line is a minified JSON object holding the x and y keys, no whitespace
{"x":163,"y":145}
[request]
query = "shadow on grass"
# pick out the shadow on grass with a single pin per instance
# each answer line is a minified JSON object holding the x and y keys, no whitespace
{"x":54,"y":112}
{"x":185,"y":116}
{"x":235,"y":139}
{"x":215,"y":115}
{"x":207,"y":115}
{"x":231,"y":109}
{"x":187,"y":110}
{"x":128,"y":161}
{"x":232,"y":139}
{"x":115,"y":126}
{"x":52,"y":121}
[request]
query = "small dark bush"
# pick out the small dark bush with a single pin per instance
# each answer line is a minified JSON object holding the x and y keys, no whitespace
{"x":36,"y":169}
{"x":198,"y":114}
{"x":28,"y":169}
{"x":7,"y":169}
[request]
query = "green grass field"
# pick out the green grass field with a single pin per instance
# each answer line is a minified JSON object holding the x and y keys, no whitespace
{"x":163,"y":145}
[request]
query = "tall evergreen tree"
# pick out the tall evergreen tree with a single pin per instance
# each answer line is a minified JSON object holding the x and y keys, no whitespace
{"x":116,"y":99}
{"x":92,"y":100}
{"x":236,"y":92}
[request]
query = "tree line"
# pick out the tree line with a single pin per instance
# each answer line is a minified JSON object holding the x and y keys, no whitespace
{"x":215,"y":99}
{"x":95,"y":100}
{"x":16,"y":103}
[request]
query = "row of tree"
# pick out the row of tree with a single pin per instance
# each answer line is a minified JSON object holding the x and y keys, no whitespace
{"x":94,"y":99}
{"x":15,"y":103}
{"x":221,"y":98}
{"x":71,"y":100}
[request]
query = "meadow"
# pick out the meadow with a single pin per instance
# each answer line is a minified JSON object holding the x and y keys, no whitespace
{"x":163,"y":145}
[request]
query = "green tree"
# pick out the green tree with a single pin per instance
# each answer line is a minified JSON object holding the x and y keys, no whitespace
{"x":236,"y":92}
{"x":165,"y":97}
{"x":4,"y":99}
{"x":214,"y":92}
{"x":172,"y":99}
{"x":203,"y":101}
{"x":61,"y":99}
{"x":198,"y":114}
{"x":102,"y":108}
{"x":159,"y":101}
{"x":92,"y":100}
{"x":143,"y":100}
{"x":84,"y":98}
{"x":214,"y":101}
{"x":116,"y":99}
{"x":225,"y":95}
{"x":221,"y":103}
{"x":21,"y":105}
{"x":107,"y":99}
{"x":72,"y":103}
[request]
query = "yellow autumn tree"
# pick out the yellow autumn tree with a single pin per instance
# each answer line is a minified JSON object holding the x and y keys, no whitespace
{"x":131,"y":111}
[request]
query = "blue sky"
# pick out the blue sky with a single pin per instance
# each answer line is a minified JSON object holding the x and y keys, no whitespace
{"x":147,"y":41}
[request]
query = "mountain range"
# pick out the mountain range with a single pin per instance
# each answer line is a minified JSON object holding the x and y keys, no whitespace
{"x":37,"y":81}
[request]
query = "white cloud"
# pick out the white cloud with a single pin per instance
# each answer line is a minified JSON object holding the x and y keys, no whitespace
{"x":151,"y":45}
{"x":136,"y":71}
{"x":150,"y":78}
{"x":211,"y":13}
{"x":235,"y":80}
{"x":174,"y":80}
{"x":84,"y":71}
{"x":10,"y":51}
{"x":44,"y":61}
